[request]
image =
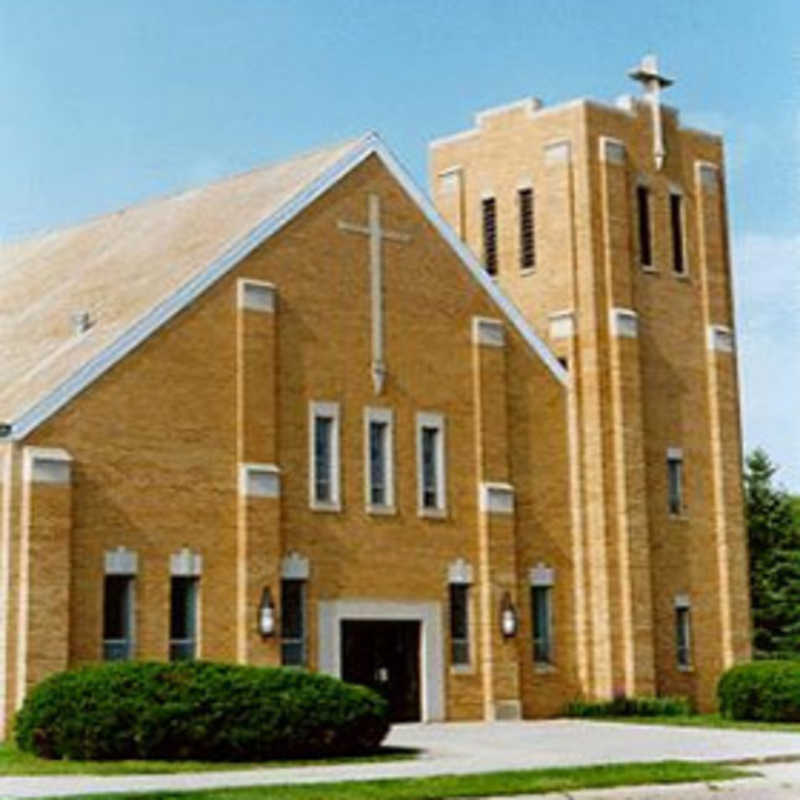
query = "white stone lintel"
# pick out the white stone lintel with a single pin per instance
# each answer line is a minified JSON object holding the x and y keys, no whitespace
{"x":682,"y":601}
{"x":612,"y":151}
{"x":255,"y":295}
{"x":707,"y":175}
{"x":121,"y":561}
{"x":460,"y":571}
{"x":675,"y":454}
{"x":720,"y":338}
{"x":295,"y":567}
{"x":186,"y":564}
{"x":259,"y":480}
{"x":624,"y":322}
{"x":488,"y":332}
{"x":542,"y":575}
{"x":496,"y":498}
{"x":51,"y":465}
{"x":562,"y":324}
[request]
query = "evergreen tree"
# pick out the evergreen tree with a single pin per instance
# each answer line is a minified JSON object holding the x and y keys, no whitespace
{"x":774,"y":540}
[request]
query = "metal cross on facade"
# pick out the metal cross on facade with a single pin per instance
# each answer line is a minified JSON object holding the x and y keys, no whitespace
{"x":648,"y":75}
{"x":376,"y":234}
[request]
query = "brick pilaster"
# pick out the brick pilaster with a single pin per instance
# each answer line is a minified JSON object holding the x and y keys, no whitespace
{"x":259,"y":514}
{"x":44,"y":570}
{"x":497,"y":568}
{"x":731,"y":617}
{"x":629,"y":530}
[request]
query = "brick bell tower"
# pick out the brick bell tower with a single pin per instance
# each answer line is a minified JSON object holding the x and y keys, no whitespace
{"x":606,"y":225}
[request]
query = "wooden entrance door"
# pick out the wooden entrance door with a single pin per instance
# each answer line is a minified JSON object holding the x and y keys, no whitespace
{"x":384,"y":655}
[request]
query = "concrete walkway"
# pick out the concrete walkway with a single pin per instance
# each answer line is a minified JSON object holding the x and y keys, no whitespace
{"x":460,"y":748}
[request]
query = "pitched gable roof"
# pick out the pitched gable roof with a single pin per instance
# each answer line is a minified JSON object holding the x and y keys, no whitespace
{"x":134,"y":270}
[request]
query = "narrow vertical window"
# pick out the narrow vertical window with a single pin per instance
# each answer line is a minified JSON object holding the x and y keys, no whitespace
{"x":429,"y":481}
{"x":379,"y":468}
{"x":676,"y":225}
{"x":293,"y":613}
{"x":118,"y":617}
{"x":643,"y":211}
{"x":683,"y":636}
{"x":183,"y":618}
{"x":324,"y":456}
{"x":489,"y":212}
{"x":675,"y":481}
{"x":323,"y":430}
{"x":430,"y":463}
{"x":377,"y":462}
{"x":542,"y":624}
{"x":459,"y":624}
{"x":527,"y":240}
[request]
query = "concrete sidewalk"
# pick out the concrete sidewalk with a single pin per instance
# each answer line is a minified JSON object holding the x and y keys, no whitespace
{"x":462,"y":748}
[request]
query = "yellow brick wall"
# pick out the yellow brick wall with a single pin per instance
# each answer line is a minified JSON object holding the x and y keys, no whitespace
{"x":634,"y":398}
{"x":156,"y":445}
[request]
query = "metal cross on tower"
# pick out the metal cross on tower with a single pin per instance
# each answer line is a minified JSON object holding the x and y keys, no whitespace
{"x":653,"y":82}
{"x":376,"y":234}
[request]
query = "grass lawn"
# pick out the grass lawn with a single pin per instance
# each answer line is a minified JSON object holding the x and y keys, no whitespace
{"x":704,"y":721}
{"x":16,"y":762}
{"x":563,"y":779}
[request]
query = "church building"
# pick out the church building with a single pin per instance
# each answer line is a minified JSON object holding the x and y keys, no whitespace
{"x":480,"y":452}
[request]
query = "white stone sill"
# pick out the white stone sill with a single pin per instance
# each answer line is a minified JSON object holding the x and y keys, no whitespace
{"x":381,"y":511}
{"x":462,"y":669}
{"x":327,"y":508}
{"x":432,"y":513}
{"x":541,"y":668}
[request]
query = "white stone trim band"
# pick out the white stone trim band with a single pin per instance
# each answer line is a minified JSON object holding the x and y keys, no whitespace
{"x":624,"y":323}
{"x":460,"y":571}
{"x":295,"y":567}
{"x":186,"y":564}
{"x":121,"y":562}
{"x":256,"y":295}
{"x":496,"y":498}
{"x":259,"y":480}
{"x":562,"y":324}
{"x":720,"y":338}
{"x":51,"y":465}
{"x":541,"y":575}
{"x":488,"y":332}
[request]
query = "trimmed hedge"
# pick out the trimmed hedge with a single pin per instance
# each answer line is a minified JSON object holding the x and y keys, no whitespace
{"x":631,"y":707}
{"x":198,"y":710}
{"x":766,"y":691}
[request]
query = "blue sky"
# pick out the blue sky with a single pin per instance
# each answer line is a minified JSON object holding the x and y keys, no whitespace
{"x":105,"y":103}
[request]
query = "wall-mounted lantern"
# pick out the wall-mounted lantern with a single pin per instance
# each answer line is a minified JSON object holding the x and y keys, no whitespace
{"x":266,"y":614}
{"x":508,"y":617}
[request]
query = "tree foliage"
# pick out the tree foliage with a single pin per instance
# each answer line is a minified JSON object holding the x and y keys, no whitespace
{"x":774,"y":540}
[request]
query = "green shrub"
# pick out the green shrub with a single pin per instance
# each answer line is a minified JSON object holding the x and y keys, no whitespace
{"x":198,"y":710}
{"x":767,"y":691}
{"x":631,"y":707}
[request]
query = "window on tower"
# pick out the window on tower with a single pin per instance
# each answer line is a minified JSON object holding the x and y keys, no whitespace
{"x":643,"y":213}
{"x":675,"y":481}
{"x":527,"y":235}
{"x":683,"y":633}
{"x":489,"y":210}
{"x":676,"y":225}
{"x":459,"y":624}
{"x":541,"y":599}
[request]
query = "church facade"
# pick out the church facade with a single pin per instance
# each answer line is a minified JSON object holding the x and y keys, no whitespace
{"x":290,"y":417}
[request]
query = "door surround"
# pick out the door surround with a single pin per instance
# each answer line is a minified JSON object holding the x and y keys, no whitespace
{"x":431,"y":665}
